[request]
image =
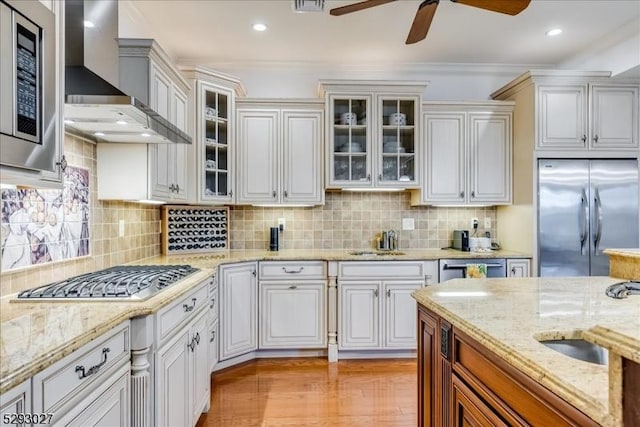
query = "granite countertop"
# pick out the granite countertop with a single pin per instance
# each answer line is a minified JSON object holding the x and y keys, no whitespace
{"x":507,"y":315}
{"x":629,"y":253}
{"x":34,"y":335}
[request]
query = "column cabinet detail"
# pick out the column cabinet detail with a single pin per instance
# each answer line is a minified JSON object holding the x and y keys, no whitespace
{"x":468,"y":154}
{"x":214,"y":149}
{"x":279,"y":157}
{"x":373,"y":130}
{"x":518,"y":267}
{"x":238,"y":317}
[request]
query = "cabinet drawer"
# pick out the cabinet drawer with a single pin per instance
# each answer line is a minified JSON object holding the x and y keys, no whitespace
{"x":292,"y":270}
{"x":63,"y":381}
{"x":381,"y":270}
{"x":169,"y":318}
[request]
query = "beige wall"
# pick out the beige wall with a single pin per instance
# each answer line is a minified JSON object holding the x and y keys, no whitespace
{"x":142,"y":238}
{"x":351,"y":220}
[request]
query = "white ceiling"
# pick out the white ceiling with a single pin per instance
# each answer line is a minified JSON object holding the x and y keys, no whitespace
{"x":207,"y":32}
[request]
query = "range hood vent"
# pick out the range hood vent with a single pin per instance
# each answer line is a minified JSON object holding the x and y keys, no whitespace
{"x":95,"y":107}
{"x":308,"y":5}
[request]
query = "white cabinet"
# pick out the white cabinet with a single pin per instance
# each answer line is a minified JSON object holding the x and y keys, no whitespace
{"x":92,"y":383}
{"x":280,"y":157}
{"x":468,"y":154}
{"x":182,"y":365}
{"x":518,"y":267}
{"x":157,"y":172}
{"x":238,"y":319}
{"x":293,"y":304}
{"x":375,"y":307}
{"x":213,"y":323}
{"x":373,"y":130}
{"x":213,"y":153}
{"x":587,"y":116}
{"x":15,"y":401}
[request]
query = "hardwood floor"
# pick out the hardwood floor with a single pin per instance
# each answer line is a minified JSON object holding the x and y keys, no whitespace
{"x":313,"y":392}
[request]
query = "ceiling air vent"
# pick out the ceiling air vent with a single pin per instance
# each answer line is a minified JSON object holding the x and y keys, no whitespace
{"x":308,"y":5}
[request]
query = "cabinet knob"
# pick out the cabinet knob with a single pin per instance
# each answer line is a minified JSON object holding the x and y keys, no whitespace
{"x":285,"y":194}
{"x":172,"y":188}
{"x":274,"y":194}
{"x":213,"y":336}
{"x":584,"y":138}
{"x":230,"y":193}
{"x":462,"y":194}
{"x":388,"y":293}
{"x":473,"y":194}
{"x":595,"y":139}
{"x":253,"y":273}
{"x":375,"y":293}
{"x":62,"y":163}
{"x":177,"y":188}
{"x":513,"y":271}
{"x":380,"y":177}
{"x":368,"y":177}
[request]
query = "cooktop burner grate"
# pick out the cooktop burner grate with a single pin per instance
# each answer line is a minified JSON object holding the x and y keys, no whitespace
{"x":122,"y":282}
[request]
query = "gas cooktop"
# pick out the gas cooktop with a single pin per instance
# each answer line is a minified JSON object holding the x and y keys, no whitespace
{"x":124,"y":283}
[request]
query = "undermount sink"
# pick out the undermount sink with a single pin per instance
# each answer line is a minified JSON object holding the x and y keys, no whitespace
{"x":579,"y":349}
{"x":375,"y":253}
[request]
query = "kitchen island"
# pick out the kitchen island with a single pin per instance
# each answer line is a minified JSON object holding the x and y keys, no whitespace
{"x":472,"y":326}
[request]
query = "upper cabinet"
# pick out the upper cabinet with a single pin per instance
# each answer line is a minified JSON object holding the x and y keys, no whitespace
{"x":155,"y":172}
{"x":579,"y":112}
{"x":467,"y":160}
{"x":373,"y":133}
{"x":214,"y":147}
{"x":280,"y":152}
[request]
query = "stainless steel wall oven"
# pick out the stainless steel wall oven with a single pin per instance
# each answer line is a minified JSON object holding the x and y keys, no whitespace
{"x":27,"y":86}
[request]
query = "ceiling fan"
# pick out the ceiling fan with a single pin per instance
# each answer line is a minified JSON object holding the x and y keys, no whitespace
{"x":427,"y":9}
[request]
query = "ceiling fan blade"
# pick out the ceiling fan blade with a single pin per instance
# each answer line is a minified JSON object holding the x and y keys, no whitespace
{"x":422,"y":21}
{"x":510,"y":7}
{"x":357,"y":6}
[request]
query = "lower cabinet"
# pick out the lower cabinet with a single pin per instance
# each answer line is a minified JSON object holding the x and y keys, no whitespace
{"x":518,"y":267}
{"x":238,"y":316}
{"x":462,"y":383}
{"x":377,"y":314}
{"x":182,"y":375}
{"x":15,"y":401}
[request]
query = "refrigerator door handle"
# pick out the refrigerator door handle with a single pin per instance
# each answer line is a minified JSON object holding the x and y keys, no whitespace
{"x":597,"y":203}
{"x":583,"y":221}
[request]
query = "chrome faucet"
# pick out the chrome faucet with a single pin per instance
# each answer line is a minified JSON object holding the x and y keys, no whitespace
{"x":388,"y":241}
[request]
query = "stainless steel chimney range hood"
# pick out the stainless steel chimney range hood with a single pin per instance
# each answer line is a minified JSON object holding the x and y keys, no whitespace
{"x":94,"y":106}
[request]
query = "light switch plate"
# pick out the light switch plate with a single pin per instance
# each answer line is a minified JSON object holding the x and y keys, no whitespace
{"x":121,"y":228}
{"x":487,"y":223}
{"x":408,"y":224}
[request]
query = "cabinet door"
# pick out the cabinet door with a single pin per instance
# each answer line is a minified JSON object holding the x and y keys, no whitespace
{"x":301,"y":157}
{"x":471,"y":411}
{"x":200,"y":374}
{"x":614,"y":117}
{"x":428,"y":386}
{"x":213,"y":346}
{"x":178,"y":161}
{"x":489,"y":158}
{"x":400,"y":314}
{"x":397,"y":141}
{"x":562,"y":117}
{"x":160,"y":154}
{"x":110,"y":409}
{"x":444,"y":174}
{"x":518,"y":268}
{"x":238,"y":310}
{"x":258,"y":156}
{"x":172,"y":382}
{"x":349,"y":149}
{"x":293,"y":314}
{"x":359,"y":316}
{"x":16,"y":401}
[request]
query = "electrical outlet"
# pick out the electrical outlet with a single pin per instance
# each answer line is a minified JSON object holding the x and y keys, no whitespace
{"x":487,"y":223}
{"x":281,"y":224}
{"x":408,"y":224}
{"x":121,"y":228}
{"x":474,"y":223}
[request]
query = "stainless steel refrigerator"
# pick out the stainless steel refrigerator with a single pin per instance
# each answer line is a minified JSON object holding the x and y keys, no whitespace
{"x":584,"y":207}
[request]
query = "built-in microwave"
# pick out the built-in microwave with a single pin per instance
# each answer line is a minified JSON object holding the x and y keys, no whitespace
{"x":27,"y":86}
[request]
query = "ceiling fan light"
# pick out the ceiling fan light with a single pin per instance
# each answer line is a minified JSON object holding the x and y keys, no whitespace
{"x":553,"y":32}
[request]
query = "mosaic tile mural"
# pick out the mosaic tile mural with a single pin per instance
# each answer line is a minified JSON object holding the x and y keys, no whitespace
{"x":43,"y":225}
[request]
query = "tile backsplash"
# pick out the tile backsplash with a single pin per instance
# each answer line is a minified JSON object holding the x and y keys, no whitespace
{"x":142,"y":232}
{"x":352,"y":220}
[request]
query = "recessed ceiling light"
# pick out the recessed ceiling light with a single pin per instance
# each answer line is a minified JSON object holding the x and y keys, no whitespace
{"x":99,"y":134}
{"x":146,"y":135}
{"x":554,"y":32}
{"x":259,"y":27}
{"x":89,"y":24}
{"x":121,"y":122}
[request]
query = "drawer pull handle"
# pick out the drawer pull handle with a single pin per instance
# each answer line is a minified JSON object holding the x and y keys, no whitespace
{"x":213,"y":302}
{"x":292,"y":271}
{"x":375,"y":293}
{"x":388,"y":293}
{"x":94,"y":369}
{"x":191,"y":345}
{"x":293,"y":287}
{"x":188,"y":308}
{"x":213,"y":336}
{"x":197,"y":338}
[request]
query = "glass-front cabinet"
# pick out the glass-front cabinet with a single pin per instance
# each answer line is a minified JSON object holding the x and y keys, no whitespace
{"x":215,"y":150}
{"x":374,"y":131}
{"x":350,"y":141}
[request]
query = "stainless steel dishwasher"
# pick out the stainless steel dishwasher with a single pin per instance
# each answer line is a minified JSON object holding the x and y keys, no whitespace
{"x":457,"y":268}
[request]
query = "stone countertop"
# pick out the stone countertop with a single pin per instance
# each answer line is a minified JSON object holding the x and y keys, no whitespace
{"x":34,"y":335}
{"x":630,"y":253}
{"x":509,"y":315}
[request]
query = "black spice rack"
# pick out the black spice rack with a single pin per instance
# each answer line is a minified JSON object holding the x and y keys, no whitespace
{"x":192,"y":229}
